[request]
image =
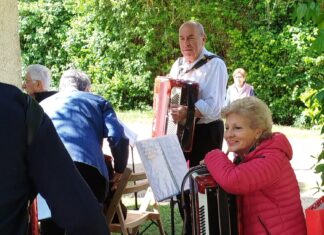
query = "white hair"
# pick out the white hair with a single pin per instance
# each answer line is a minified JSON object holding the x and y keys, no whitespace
{"x":196,"y":24}
{"x":38,"y":72}
{"x":75,"y":79}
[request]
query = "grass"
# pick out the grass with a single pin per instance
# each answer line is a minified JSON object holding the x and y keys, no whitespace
{"x":294,"y":132}
{"x":165,"y":212}
{"x":166,"y":220}
{"x":145,"y":117}
{"x":135,"y":116}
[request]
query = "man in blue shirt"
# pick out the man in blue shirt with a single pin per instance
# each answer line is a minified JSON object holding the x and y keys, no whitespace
{"x":83,"y":120}
{"x":34,"y":160}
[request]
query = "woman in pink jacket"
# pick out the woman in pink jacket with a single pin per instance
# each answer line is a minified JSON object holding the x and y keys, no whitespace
{"x":261,"y":175}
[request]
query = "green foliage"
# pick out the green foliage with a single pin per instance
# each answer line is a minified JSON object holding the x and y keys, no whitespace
{"x":123,"y":45}
{"x":43,"y":28}
{"x":312,"y":11}
{"x":314,"y":95}
{"x":280,"y":67}
{"x":319,"y":169}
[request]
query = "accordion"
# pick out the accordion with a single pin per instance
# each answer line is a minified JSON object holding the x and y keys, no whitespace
{"x":169,"y":92}
{"x":213,"y":211}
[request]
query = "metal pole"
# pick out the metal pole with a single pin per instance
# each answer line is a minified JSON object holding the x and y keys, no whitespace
{"x":172,"y":202}
{"x":133,"y":166}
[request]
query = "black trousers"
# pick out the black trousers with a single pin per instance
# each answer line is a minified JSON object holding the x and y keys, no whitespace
{"x":98,"y":185}
{"x":206,"y":138}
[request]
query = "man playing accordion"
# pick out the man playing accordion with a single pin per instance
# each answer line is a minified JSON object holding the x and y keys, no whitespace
{"x":210,"y":72}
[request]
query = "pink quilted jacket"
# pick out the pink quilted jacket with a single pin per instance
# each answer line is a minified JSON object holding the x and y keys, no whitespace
{"x":267,"y":187}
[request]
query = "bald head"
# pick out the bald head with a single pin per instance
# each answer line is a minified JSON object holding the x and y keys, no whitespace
{"x":195,"y":24}
{"x":192,"y":40}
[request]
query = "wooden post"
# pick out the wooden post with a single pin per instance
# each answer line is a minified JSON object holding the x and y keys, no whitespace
{"x":10,"y":64}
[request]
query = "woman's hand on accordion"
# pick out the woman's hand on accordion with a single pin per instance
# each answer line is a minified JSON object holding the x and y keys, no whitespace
{"x":178,"y":113}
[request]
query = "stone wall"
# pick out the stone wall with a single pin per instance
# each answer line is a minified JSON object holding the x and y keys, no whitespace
{"x":10,"y":64}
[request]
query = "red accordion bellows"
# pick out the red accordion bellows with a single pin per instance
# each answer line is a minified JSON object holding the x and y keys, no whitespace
{"x":178,"y":92}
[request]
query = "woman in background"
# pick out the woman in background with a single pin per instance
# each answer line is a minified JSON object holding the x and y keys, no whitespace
{"x":261,"y":175}
{"x":239,"y":88}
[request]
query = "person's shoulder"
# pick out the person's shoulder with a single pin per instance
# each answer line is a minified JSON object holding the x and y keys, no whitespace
{"x":178,"y":61}
{"x":218,"y":60}
{"x":278,"y":142}
{"x":279,"y":136}
{"x":90,"y":97}
{"x":82,"y":96}
{"x":8,"y":88}
{"x":12,"y":94}
{"x":214,"y":58}
{"x":40,"y":96}
{"x":231,"y":87}
{"x":50,"y":98}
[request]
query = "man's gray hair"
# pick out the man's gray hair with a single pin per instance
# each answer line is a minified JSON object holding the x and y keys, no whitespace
{"x":38,"y":72}
{"x":74,"y":78}
{"x":196,"y":24}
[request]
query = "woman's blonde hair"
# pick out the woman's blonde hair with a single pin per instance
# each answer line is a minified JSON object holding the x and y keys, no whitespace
{"x":240,"y":71}
{"x":254,"y":109}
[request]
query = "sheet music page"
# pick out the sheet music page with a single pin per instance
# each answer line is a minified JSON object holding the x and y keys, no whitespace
{"x":174,"y":156}
{"x":164,"y":165}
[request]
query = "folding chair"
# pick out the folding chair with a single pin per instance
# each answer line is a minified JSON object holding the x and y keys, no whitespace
{"x":135,"y":218}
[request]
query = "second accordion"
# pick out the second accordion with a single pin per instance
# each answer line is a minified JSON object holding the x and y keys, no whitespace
{"x":214,"y":211}
{"x":169,"y":92}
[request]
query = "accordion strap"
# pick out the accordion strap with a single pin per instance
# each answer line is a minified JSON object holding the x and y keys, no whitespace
{"x":200,"y":63}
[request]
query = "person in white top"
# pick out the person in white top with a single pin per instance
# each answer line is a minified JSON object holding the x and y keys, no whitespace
{"x":212,"y":77}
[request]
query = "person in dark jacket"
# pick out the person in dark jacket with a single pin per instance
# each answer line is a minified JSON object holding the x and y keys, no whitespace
{"x":261,"y":174}
{"x":34,"y":160}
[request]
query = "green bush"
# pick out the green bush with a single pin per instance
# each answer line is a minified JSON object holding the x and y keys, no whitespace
{"x":43,"y":29}
{"x":278,"y":66}
{"x":123,"y":45}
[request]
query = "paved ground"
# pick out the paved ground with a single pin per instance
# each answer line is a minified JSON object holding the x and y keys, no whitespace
{"x":302,"y":161}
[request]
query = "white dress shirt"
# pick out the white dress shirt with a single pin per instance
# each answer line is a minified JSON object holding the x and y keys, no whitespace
{"x":212,"y":78}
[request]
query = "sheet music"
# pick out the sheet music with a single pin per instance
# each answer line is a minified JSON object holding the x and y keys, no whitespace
{"x":164,"y":165}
